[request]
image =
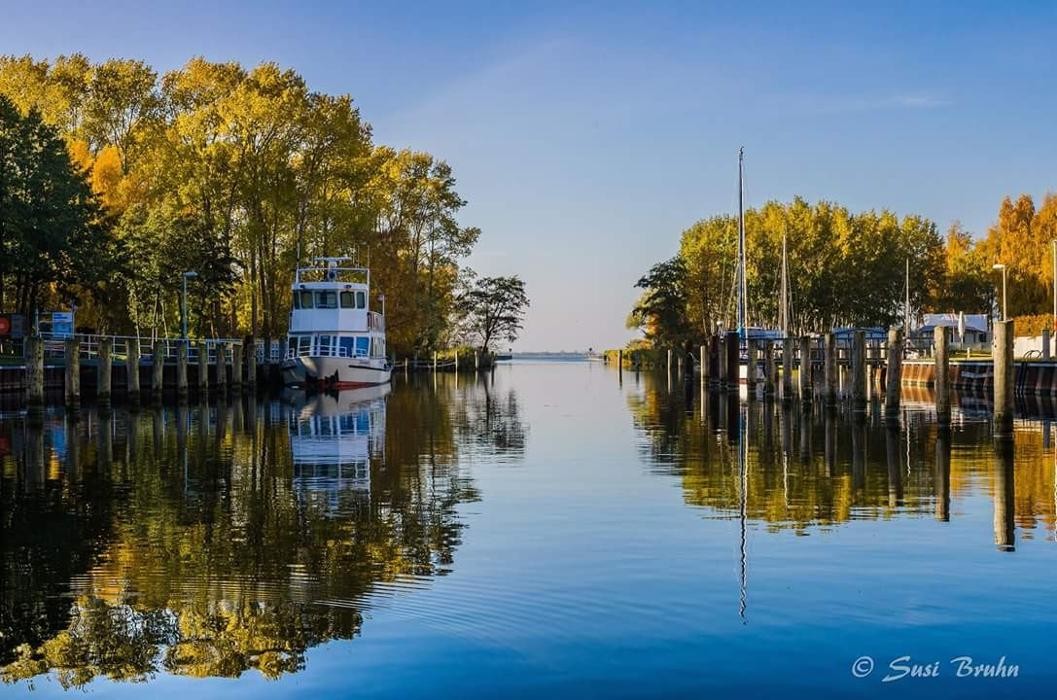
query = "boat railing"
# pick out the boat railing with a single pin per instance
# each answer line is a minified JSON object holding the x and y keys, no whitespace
{"x":375,"y":321}
{"x":344,"y":275}
{"x":326,"y":351}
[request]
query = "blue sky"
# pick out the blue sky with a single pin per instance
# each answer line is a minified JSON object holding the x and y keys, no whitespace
{"x":587,"y":136}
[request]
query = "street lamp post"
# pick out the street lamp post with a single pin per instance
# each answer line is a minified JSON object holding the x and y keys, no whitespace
{"x":1005,"y":311}
{"x":183,"y":300}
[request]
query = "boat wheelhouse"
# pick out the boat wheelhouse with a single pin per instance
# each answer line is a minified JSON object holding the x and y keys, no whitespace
{"x":335,"y":340}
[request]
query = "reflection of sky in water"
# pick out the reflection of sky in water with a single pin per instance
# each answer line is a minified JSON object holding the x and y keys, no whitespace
{"x":559,"y":532}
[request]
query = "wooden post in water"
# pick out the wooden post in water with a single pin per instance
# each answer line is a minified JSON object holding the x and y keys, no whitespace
{"x":157,"y":370}
{"x":236,"y":367}
{"x":104,"y":370}
{"x":750,"y":373}
{"x":721,"y":359}
{"x":703,"y":365}
{"x":620,"y":360}
{"x":73,"y":373}
{"x":733,"y":361}
{"x":456,"y":360}
{"x":251,"y":363}
{"x":805,"y":370}
{"x":829,"y":368}
{"x":858,"y":372}
{"x":1003,"y":379}
{"x":434,"y":362}
{"x":181,"y":369}
{"x":132,"y":369}
{"x":34,"y":350}
{"x":787,"y":368}
{"x":770,"y":371}
{"x":1046,"y":344}
{"x":941,"y":385}
{"x":203,"y":368}
{"x":222,"y":367}
{"x":894,"y":370}
{"x":476,"y":361}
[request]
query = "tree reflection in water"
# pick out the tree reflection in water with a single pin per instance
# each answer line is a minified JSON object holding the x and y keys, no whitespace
{"x":211,"y":539}
{"x":826,"y":468}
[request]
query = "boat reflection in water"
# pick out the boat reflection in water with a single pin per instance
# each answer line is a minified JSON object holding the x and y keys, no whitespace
{"x":214,"y":539}
{"x":333,"y":436}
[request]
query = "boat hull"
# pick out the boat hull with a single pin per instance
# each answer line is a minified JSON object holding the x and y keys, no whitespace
{"x":336,"y":372}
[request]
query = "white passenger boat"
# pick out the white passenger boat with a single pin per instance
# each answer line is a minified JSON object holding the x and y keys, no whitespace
{"x":335,"y":340}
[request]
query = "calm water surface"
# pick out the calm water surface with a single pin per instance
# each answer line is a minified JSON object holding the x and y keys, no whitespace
{"x":547,"y":530}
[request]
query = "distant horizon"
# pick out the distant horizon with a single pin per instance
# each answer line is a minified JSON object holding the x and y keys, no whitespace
{"x":585,"y":141}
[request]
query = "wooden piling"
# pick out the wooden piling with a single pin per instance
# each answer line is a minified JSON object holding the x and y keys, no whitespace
{"x":721,"y":359}
{"x":858,"y":372}
{"x":829,"y":369}
{"x":251,"y":362}
{"x":132,"y":369}
{"x":941,"y":384}
{"x":434,"y":361}
{"x":733,"y":361}
{"x":770,"y":370}
{"x":669,"y":361}
{"x":203,"y":368}
{"x":620,"y":361}
{"x":236,"y":366}
{"x":1046,"y":344}
{"x":806,"y":388}
{"x":104,"y":369}
{"x":221,"y":367}
{"x":73,"y":373}
{"x":894,"y":372}
{"x":181,"y":369}
{"x":750,"y":373}
{"x":157,"y":370}
{"x":787,"y":368}
{"x":34,"y":351}
{"x":1003,"y":378}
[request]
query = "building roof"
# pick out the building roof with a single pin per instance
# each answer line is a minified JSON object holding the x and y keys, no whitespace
{"x":973,"y":322}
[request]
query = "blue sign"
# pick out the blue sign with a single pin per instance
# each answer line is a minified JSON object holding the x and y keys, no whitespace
{"x":62,"y":324}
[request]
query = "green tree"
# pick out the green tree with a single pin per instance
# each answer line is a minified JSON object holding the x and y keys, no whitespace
{"x":495,"y":309}
{"x":661,"y":309}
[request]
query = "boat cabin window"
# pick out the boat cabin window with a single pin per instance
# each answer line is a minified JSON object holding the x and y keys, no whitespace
{"x":326,"y":300}
{"x":292,"y":344}
{"x":306,"y":300}
{"x":347,"y":300}
{"x":361,"y":300}
{"x":347,"y":343}
{"x":363,"y":346}
{"x":297,"y":300}
{"x":324,"y":345}
{"x":304,"y":344}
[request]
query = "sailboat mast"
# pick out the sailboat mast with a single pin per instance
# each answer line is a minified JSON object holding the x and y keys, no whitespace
{"x":742,"y":286}
{"x":784,"y":302}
